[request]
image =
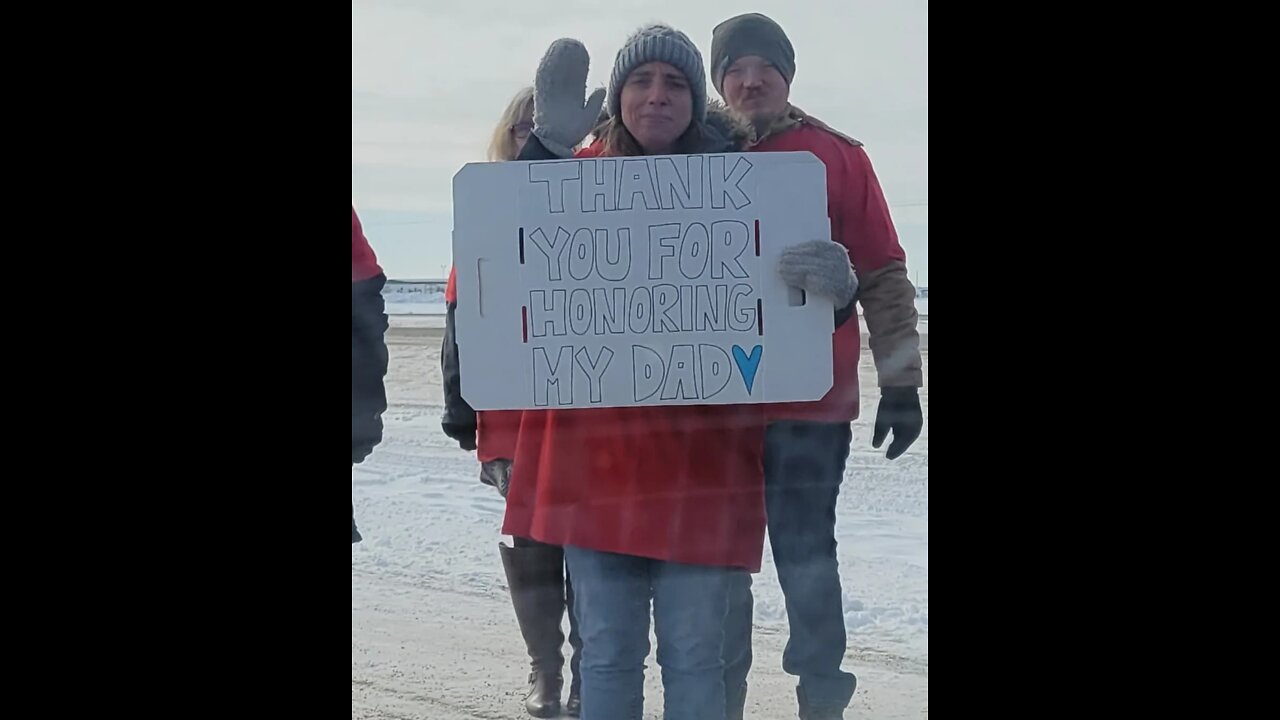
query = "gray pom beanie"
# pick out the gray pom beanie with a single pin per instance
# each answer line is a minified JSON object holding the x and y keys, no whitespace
{"x":659,"y":43}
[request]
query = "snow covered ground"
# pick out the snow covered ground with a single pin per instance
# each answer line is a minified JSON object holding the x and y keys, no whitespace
{"x":432,"y":630}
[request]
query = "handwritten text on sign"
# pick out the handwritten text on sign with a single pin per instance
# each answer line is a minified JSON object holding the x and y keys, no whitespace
{"x":637,"y":281}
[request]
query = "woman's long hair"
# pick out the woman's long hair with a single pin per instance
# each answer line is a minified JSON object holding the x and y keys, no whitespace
{"x":502,"y":146}
{"x":619,"y":142}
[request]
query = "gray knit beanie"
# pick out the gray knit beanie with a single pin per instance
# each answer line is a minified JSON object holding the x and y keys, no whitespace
{"x":750,"y":34}
{"x":659,"y":43}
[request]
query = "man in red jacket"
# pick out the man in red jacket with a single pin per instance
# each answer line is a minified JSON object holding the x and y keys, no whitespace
{"x":368,"y":351}
{"x":752,"y":64}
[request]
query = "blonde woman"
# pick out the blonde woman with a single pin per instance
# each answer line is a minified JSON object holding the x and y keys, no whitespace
{"x":540,"y":587}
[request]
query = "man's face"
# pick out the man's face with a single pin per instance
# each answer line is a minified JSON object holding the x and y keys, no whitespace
{"x":755,"y":88}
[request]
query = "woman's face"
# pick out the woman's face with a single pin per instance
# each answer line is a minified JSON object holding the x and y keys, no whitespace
{"x":520,"y":132}
{"x":657,"y":106}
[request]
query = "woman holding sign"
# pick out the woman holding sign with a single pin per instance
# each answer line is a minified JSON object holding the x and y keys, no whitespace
{"x":540,"y":588}
{"x":653,"y":504}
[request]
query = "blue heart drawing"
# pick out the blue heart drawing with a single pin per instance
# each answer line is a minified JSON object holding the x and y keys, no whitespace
{"x":748,"y":364}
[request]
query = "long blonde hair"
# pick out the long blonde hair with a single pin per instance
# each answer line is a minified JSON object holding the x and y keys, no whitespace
{"x":502,"y":146}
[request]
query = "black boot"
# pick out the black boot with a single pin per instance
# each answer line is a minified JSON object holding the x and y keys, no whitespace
{"x":536,"y":578}
{"x":574,"y":705}
{"x":543,"y":700}
{"x":810,"y":711}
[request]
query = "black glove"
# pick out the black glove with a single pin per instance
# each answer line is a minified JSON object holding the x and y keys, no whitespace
{"x":464,"y":434}
{"x":900,"y":412}
{"x":496,"y":473}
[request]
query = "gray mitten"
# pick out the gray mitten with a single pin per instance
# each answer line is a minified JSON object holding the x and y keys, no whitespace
{"x":561,"y":116}
{"x":821,"y":267}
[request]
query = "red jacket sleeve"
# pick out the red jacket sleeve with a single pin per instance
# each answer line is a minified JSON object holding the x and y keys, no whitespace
{"x":866,"y":226}
{"x":368,"y":346}
{"x":364,"y":264}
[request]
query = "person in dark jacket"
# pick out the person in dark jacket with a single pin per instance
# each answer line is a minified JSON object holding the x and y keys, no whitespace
{"x":541,"y":590}
{"x":368,"y":351}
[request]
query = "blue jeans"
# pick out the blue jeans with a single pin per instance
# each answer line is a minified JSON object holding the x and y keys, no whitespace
{"x":611,"y":599}
{"x":804,"y":465}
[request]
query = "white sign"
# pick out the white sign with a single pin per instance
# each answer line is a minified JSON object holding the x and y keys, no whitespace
{"x":638,"y":281}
